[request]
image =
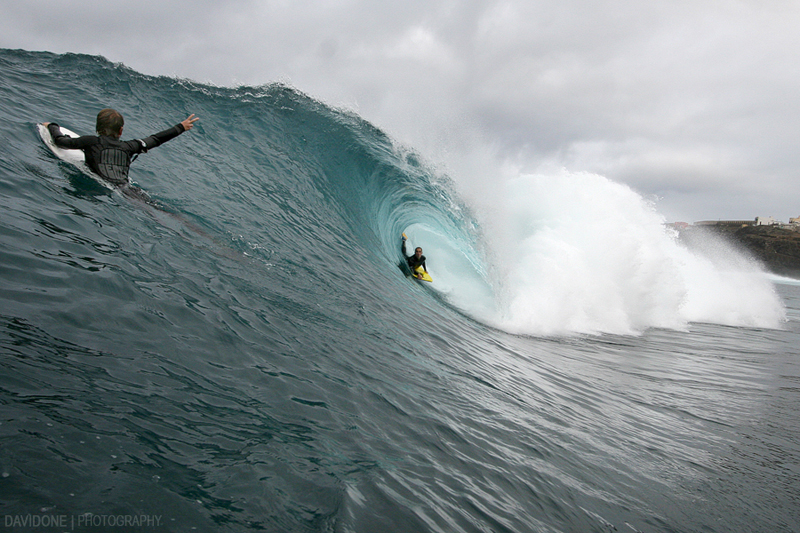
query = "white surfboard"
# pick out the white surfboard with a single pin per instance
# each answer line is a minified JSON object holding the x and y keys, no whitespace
{"x":74,"y":157}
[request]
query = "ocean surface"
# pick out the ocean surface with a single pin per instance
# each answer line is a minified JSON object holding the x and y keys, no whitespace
{"x":244,"y":352}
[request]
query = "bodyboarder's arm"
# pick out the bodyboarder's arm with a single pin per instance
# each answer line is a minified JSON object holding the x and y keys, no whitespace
{"x":67,"y":142}
{"x":161,"y":137}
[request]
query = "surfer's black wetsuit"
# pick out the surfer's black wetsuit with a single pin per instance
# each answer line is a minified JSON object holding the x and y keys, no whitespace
{"x":108,"y":157}
{"x":413,"y":262}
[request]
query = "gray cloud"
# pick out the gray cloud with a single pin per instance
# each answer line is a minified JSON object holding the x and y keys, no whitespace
{"x":691,"y":102}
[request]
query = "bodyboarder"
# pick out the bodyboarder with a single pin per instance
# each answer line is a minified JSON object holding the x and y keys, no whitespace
{"x":106,"y":155}
{"x":414,"y":261}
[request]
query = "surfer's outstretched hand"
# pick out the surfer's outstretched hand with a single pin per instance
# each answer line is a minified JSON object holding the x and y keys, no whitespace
{"x":189,"y":122}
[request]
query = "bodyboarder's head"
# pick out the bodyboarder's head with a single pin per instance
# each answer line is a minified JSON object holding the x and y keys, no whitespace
{"x":110,"y":122}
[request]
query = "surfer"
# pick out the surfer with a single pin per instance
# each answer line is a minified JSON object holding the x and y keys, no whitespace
{"x":414,"y":261}
{"x":105,"y":154}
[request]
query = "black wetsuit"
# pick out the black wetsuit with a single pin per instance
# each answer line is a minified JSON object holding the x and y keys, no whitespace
{"x":413,"y":262}
{"x":108,"y":157}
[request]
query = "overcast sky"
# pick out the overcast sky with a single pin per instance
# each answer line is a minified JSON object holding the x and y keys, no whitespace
{"x":690,"y":102}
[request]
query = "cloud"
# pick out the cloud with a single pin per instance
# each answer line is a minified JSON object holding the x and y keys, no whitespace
{"x":691,"y":102}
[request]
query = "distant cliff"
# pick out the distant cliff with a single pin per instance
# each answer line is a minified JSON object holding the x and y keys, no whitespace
{"x":777,"y":247}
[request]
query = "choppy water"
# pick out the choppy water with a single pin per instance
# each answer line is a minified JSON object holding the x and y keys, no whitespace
{"x":249,"y":357}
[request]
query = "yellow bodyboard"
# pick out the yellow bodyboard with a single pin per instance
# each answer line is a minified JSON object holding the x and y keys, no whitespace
{"x":420,"y":274}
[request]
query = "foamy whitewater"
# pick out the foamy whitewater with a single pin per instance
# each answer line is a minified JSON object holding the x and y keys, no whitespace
{"x":246,"y":353}
{"x":577,"y":253}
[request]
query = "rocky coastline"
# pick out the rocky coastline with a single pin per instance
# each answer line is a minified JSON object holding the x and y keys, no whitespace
{"x":776,"y":246}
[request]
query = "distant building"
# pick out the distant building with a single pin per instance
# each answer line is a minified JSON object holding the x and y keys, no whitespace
{"x":794,"y":221}
{"x":765,"y":221}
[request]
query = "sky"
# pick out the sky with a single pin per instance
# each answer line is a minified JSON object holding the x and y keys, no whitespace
{"x":693,"y":104}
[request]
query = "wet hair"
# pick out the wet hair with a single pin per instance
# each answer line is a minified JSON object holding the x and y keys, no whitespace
{"x":109,"y":122}
{"x":418,"y":249}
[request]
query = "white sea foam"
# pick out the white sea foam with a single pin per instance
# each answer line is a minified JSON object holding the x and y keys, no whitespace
{"x":579,"y":253}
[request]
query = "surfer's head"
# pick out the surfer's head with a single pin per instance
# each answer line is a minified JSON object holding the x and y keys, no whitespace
{"x":418,"y":252}
{"x":110,"y":122}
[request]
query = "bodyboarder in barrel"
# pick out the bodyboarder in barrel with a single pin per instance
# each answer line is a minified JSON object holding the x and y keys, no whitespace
{"x":415,"y":262}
